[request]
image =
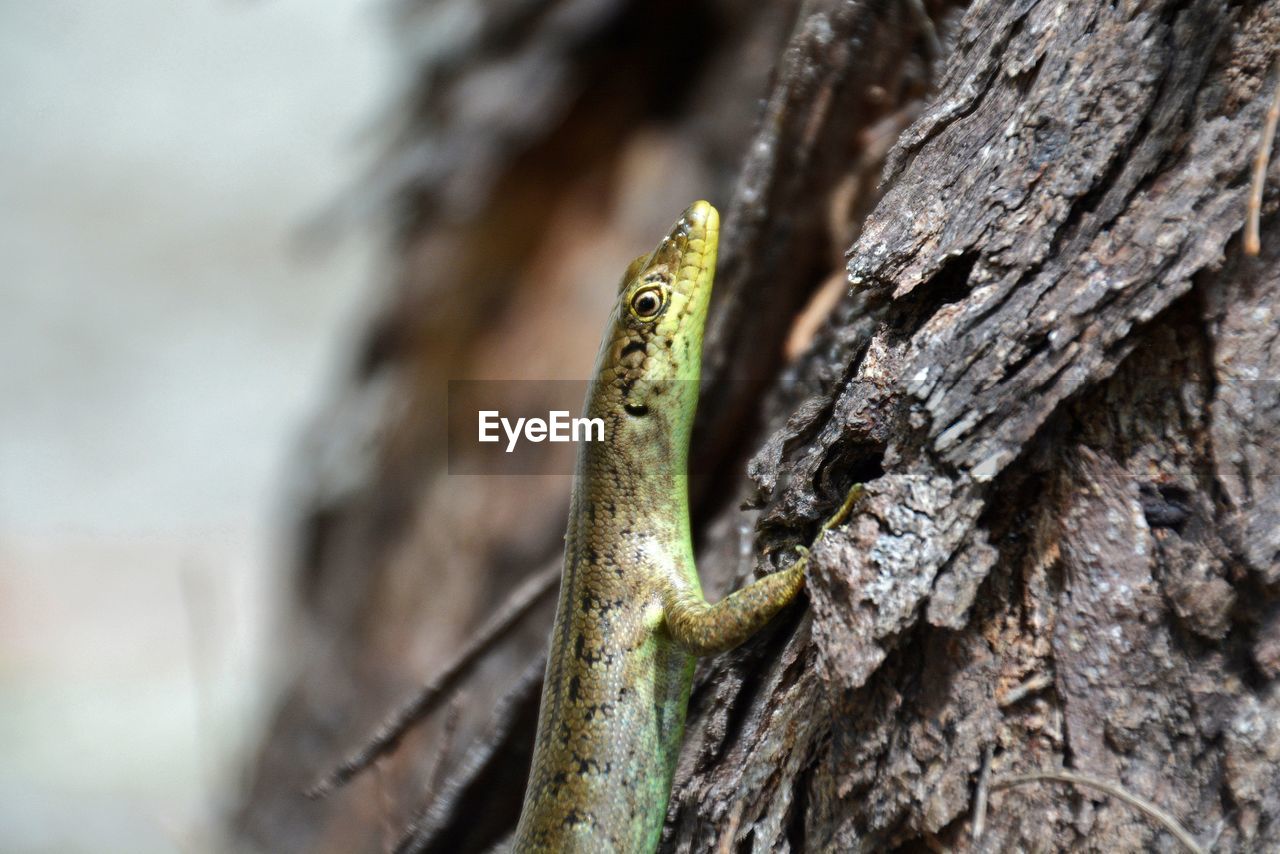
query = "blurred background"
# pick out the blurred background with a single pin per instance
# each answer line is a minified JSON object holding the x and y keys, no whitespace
{"x":167,"y":325}
{"x":249,"y":245}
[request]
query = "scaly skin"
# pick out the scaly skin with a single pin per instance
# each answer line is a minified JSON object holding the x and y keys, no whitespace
{"x":631,"y":615}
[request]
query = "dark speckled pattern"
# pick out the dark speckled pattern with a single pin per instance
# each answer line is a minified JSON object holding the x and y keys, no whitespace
{"x":631,"y":614}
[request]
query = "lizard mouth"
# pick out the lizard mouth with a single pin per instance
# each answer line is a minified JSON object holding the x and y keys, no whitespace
{"x":696,"y":233}
{"x":694,"y":236}
{"x":701,"y":215}
{"x":688,"y":252}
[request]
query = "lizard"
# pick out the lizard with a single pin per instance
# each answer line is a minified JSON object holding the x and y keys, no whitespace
{"x":631,"y":616}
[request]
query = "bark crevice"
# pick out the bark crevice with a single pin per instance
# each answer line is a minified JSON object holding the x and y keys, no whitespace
{"x":1044,"y":354}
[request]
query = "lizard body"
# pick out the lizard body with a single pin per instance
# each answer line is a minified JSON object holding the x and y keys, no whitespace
{"x":631,"y":615}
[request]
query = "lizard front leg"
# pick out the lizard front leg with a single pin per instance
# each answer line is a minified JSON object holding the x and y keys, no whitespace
{"x":706,"y":629}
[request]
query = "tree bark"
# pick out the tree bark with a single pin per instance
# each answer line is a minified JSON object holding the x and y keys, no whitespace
{"x":1043,"y":352}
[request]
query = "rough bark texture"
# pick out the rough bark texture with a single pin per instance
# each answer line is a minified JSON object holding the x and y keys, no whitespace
{"x":1044,"y":354}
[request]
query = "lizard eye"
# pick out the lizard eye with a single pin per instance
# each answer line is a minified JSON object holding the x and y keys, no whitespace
{"x":647,"y":302}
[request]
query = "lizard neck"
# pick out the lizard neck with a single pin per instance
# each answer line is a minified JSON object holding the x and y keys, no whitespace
{"x":638,"y":473}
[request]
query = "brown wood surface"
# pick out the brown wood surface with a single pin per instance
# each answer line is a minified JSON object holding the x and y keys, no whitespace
{"x":986,"y":260}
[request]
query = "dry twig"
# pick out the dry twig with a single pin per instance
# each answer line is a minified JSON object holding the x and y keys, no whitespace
{"x":1024,"y":689}
{"x":1149,"y":809}
{"x":980,"y":801}
{"x":393,"y":729}
{"x":1252,"y":240}
{"x":436,"y":779}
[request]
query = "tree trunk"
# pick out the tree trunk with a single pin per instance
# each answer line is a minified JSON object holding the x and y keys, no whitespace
{"x":1044,"y":353}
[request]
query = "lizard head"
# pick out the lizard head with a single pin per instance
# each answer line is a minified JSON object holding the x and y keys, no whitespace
{"x":651,"y":357}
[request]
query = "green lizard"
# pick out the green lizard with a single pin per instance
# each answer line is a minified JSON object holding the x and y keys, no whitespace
{"x":631,"y":615}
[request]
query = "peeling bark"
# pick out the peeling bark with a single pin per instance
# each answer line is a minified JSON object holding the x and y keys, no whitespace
{"x":1053,"y":369}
